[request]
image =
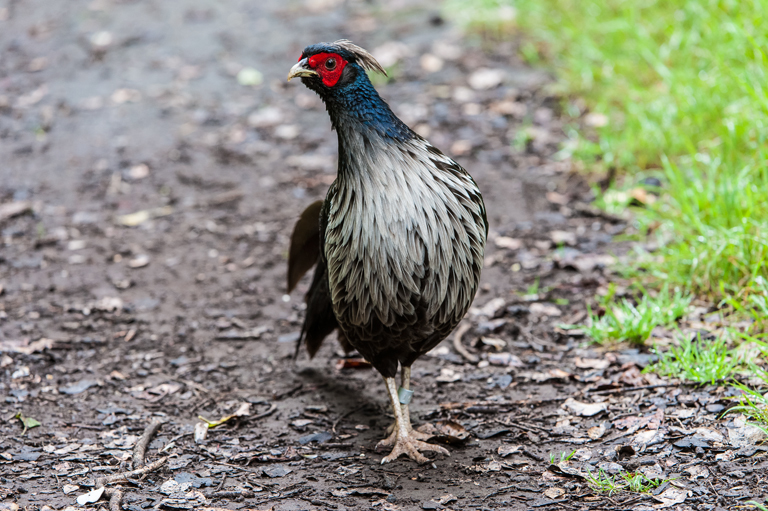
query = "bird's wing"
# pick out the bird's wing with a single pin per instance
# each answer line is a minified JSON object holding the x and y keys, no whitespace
{"x":320,"y":320}
{"x":305,"y":244}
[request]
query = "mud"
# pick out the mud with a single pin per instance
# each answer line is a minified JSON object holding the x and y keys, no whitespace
{"x":144,"y":275}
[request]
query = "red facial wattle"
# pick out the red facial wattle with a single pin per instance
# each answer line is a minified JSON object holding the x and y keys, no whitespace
{"x":329,"y":66}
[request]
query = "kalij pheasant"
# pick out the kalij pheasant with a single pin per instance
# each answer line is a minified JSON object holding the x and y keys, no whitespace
{"x":401,"y":235}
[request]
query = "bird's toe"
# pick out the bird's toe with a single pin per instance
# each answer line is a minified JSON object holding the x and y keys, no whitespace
{"x":413,"y":448}
{"x":388,"y":442}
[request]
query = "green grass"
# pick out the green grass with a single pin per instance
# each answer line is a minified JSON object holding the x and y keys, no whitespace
{"x":677,"y":91}
{"x":682,"y":84}
{"x":601,"y":482}
{"x":753,"y":403}
{"x":633,"y":322}
{"x":564,"y":456}
{"x":697,"y":360}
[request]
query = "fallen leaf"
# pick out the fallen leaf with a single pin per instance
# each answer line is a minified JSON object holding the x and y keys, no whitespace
{"x":12,"y":209}
{"x":743,"y":434}
{"x":670,"y":497}
{"x":485,"y":78}
{"x":565,"y":469}
{"x":243,"y":410}
{"x":596,"y":120}
{"x":508,"y":243}
{"x":140,"y":261}
{"x":591,"y":363}
{"x":554,"y":492}
{"x":583,"y":454}
{"x":596,"y":432}
{"x":201,"y":431}
{"x":544,"y":309}
{"x":277,"y":471}
{"x":191,"y":500}
{"x":507,"y":450}
{"x":448,"y":375}
{"x":139,"y":217}
{"x":491,"y":308}
{"x":642,"y":196}
{"x":139,"y":171}
{"x":584,"y":409}
{"x":121,"y":96}
{"x":446,"y":499}
{"x":69,"y":488}
{"x":249,"y":76}
{"x":90,"y":497}
{"x":493,"y":341}
{"x":557,"y":198}
{"x":696,"y":472}
{"x":446,"y":431}
{"x":25,"y":347}
{"x":27,"y":422}
{"x":79,"y":387}
{"x":647,"y":437}
{"x":563,"y":237}
{"x":505,"y":359}
{"x":653,"y":472}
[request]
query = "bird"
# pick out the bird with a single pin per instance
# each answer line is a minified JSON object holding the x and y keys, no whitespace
{"x":398,"y":241}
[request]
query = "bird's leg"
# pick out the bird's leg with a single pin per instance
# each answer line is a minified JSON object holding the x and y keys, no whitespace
{"x":405,"y":442}
{"x":405,"y":382}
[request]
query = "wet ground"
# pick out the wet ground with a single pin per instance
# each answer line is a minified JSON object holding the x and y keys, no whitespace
{"x":152,"y":163}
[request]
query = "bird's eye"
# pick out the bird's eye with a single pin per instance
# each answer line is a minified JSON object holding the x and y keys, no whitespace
{"x":330,"y":64}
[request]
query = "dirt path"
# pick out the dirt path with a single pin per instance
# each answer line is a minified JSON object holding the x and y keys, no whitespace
{"x":134,"y":108}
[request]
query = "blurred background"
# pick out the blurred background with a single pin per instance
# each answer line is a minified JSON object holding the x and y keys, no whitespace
{"x":153,"y":161}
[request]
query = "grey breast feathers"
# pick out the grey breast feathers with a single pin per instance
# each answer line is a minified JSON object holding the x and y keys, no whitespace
{"x":405,"y":229}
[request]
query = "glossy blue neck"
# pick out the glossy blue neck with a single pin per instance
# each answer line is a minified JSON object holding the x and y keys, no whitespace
{"x":357,"y":105}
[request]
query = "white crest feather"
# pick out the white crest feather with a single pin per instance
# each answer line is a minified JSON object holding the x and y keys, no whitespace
{"x":365,"y":59}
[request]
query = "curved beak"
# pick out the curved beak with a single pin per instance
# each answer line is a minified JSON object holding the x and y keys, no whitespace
{"x":300,"y":70}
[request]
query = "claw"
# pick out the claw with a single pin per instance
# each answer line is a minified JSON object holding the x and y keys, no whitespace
{"x":404,"y":439}
{"x":413,"y":449}
{"x":392,"y":436}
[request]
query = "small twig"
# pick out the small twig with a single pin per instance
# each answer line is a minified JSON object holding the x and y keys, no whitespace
{"x":123,"y":476}
{"x":460,"y":349}
{"x":500,"y":491}
{"x":336,"y":422}
{"x":115,"y":498}
{"x":140,"y":448}
{"x":287,"y":393}
{"x":270,"y":411}
{"x":172,"y":440}
{"x":238,"y":467}
{"x":85,"y":426}
{"x":221,"y":484}
{"x":281,"y":496}
{"x":231,"y":494}
{"x":622,"y":390}
{"x":524,"y":427}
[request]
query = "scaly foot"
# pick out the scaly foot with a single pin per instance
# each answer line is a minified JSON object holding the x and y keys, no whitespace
{"x":408,"y":444}
{"x":392,"y":437}
{"x":403,"y":438}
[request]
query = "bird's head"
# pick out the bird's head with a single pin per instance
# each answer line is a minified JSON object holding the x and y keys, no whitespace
{"x":332,"y":68}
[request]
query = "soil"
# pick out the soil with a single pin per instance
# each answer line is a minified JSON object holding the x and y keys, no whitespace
{"x":149,"y":187}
